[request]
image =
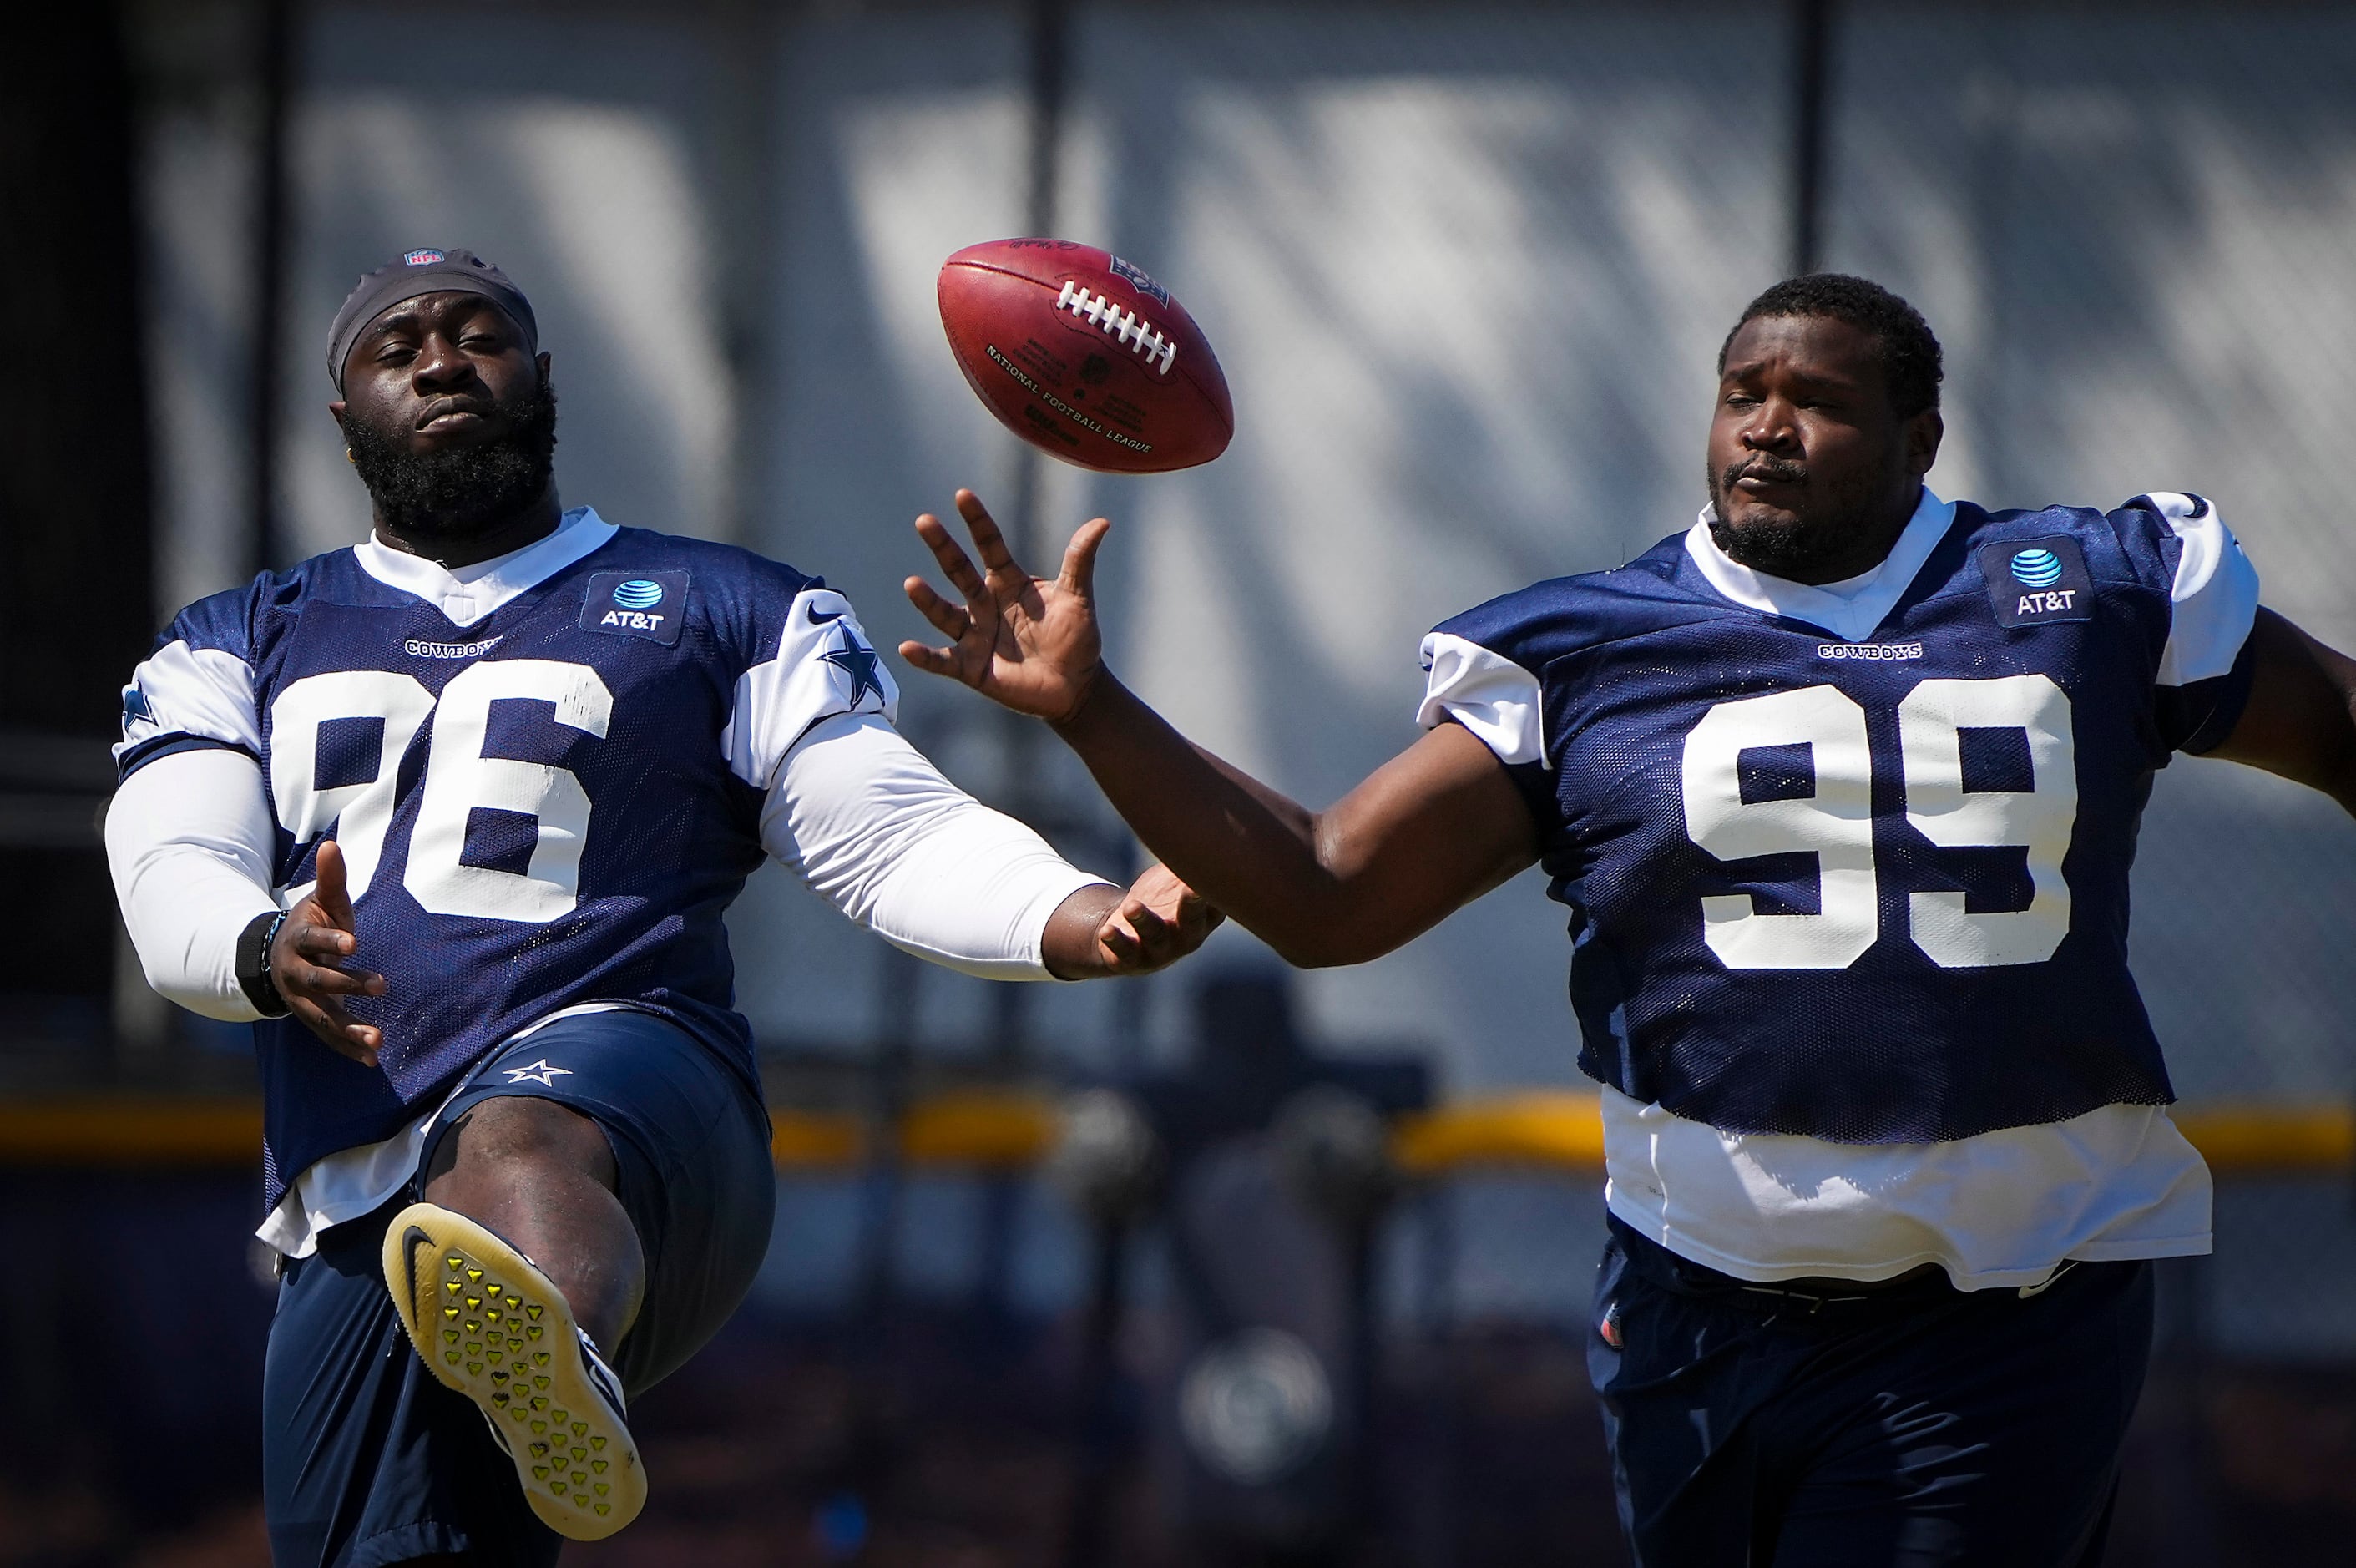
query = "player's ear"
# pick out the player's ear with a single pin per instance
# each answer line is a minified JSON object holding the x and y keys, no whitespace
{"x":1923,"y":432}
{"x":335,"y":411}
{"x":542,"y":361}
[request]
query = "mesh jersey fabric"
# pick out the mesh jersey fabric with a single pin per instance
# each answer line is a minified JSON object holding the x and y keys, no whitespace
{"x":1914,"y":925}
{"x":550,"y":804}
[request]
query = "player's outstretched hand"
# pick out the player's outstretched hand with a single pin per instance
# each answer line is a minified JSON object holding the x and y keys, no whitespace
{"x":309,"y":963}
{"x":1157,"y":922}
{"x":1027,"y":642}
{"x":1098,"y":933}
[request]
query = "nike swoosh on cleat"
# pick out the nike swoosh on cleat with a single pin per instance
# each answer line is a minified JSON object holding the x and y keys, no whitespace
{"x":415,"y":1238}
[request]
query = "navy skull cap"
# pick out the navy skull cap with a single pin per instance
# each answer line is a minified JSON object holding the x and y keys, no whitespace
{"x":427,"y":269}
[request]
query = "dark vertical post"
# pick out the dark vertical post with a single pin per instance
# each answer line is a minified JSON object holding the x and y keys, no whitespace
{"x":1050,"y":22}
{"x":75,"y":514}
{"x":1811,"y":24}
{"x":1048,"y":62}
{"x":1019,"y":792}
{"x":1098,"y":1398}
{"x":276,"y":23}
{"x":747,"y":38}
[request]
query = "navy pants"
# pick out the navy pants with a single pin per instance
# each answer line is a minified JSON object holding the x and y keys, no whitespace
{"x":1913,"y":1426}
{"x":367,"y":1459}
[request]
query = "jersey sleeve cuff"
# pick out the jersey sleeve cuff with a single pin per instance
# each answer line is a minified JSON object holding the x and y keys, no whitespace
{"x":1487,"y":693}
{"x":130,"y":759}
{"x":2206,"y":712}
{"x":2212,"y":597}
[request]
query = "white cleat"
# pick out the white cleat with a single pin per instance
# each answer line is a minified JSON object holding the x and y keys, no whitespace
{"x":488,"y":1324}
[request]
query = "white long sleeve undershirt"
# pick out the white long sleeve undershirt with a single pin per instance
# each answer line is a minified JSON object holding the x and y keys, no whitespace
{"x":873,"y":828}
{"x":188,"y":838}
{"x":857,"y":812}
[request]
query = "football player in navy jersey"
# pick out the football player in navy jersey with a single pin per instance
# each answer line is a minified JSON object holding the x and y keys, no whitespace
{"x":454,"y":814}
{"x":1841,"y":788}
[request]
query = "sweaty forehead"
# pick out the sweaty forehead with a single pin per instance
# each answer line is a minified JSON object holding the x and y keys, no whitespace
{"x":450,"y":308}
{"x":1821,"y":348}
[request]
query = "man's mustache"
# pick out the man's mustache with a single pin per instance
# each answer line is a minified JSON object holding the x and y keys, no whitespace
{"x":442,"y":405}
{"x":1767,"y":469}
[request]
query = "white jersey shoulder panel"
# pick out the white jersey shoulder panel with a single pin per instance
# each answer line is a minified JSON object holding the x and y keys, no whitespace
{"x":824,"y":665}
{"x":2214,"y":596}
{"x":1486,"y":692}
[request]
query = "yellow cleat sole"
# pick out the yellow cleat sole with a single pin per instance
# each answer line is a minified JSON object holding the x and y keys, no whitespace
{"x":488,"y":1324}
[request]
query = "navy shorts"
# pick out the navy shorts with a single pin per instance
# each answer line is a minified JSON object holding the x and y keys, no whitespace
{"x":1911,"y":1426}
{"x":367,"y":1459}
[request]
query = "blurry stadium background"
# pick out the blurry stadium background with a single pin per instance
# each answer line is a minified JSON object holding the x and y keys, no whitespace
{"x":1467,"y":267}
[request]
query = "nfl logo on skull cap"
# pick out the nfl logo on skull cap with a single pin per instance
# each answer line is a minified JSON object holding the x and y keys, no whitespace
{"x":422,"y":258}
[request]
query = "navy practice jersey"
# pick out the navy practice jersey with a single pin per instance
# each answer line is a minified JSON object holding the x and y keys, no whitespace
{"x":1869,"y":886}
{"x":546,"y":784}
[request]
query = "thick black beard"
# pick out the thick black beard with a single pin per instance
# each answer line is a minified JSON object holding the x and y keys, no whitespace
{"x":1791,"y":550}
{"x":458,"y":492}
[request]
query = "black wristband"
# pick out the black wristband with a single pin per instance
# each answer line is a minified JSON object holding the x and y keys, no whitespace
{"x":254,"y":963}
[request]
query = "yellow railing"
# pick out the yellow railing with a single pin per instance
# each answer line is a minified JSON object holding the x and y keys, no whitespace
{"x":1538,"y":1129}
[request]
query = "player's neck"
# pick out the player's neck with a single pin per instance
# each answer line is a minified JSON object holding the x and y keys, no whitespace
{"x":1849,"y":564}
{"x":1872,"y":547}
{"x":530,"y":525}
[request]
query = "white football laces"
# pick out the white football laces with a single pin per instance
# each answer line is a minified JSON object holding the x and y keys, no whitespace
{"x":1124,"y":327}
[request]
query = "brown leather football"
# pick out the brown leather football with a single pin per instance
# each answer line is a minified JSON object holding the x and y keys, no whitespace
{"x":1085,"y":355}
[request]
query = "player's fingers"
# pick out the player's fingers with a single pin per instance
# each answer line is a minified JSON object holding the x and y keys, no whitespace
{"x":1200,"y":921}
{"x":1120,"y":944}
{"x":950,"y":620}
{"x":315,"y":981}
{"x":320,"y":941}
{"x":1189,"y":917}
{"x":327,"y":1018}
{"x":959,"y":567}
{"x":1195,"y":917}
{"x":330,"y":892}
{"x":934,"y":661}
{"x":340,"y":1032}
{"x":1159,"y":888}
{"x":1157,"y":940}
{"x":1079,"y":575}
{"x":986,"y":539}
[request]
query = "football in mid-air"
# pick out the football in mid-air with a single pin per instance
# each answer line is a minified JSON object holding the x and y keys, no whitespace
{"x":1085,"y":356}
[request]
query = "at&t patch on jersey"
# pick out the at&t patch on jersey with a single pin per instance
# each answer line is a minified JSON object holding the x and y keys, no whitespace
{"x":2033,"y":581}
{"x":649,"y":605}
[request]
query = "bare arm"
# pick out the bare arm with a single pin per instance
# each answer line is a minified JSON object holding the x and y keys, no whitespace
{"x":2301,"y":719}
{"x":1437,"y":826}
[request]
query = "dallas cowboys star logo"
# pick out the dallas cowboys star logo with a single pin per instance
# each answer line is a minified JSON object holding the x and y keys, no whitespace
{"x":538,"y":1072}
{"x":856,"y":659}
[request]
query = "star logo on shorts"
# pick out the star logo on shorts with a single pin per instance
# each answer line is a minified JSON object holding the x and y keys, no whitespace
{"x":856,"y":659}
{"x":538,"y":1072}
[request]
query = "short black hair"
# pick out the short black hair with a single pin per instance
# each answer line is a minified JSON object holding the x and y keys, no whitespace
{"x":1910,"y":351}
